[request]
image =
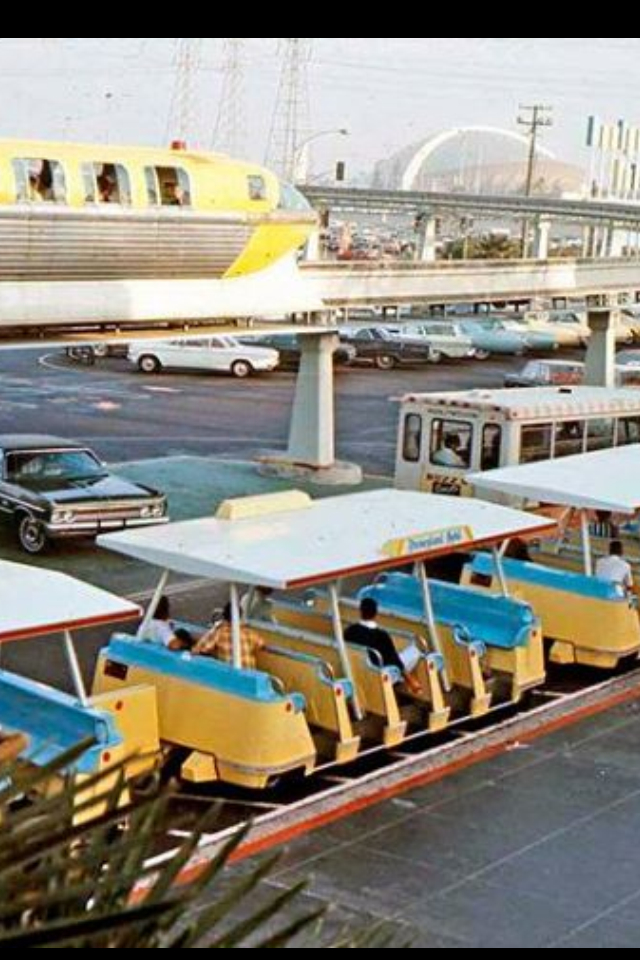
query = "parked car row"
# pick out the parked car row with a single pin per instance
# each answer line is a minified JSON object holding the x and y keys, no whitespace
{"x":382,"y":344}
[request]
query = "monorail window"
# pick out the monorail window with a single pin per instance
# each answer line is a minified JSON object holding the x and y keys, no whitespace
{"x":168,"y":187}
{"x":451,"y":444}
{"x":257,"y":188}
{"x":291,"y":199}
{"x":40,"y":181}
{"x":536,"y":443}
{"x":412,"y":447}
{"x":601,"y":435}
{"x":570,"y":439}
{"x":106,"y":183}
{"x":491,"y":447}
{"x":628,"y":431}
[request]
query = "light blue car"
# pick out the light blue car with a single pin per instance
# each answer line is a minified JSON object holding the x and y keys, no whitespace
{"x":494,"y":338}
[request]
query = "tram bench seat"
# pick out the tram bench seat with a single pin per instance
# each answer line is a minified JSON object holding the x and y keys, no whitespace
{"x":495,"y":622}
{"x":326,"y":697}
{"x":55,"y":723}
{"x":552,"y":578}
{"x":129,"y":652}
{"x":368,"y":660}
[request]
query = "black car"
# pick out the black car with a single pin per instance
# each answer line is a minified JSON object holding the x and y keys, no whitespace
{"x":384,"y":350}
{"x":290,"y":349}
{"x":52,"y":489}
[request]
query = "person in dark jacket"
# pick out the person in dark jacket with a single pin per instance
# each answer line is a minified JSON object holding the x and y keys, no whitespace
{"x":370,"y":635}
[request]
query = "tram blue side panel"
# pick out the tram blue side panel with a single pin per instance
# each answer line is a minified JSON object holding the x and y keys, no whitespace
{"x":500,"y":622}
{"x":55,"y":723}
{"x":203,"y":671}
{"x":566,"y":581}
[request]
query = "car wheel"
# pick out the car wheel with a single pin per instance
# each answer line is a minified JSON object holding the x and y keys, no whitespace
{"x":241,"y":369}
{"x":483,"y":355}
{"x":32,"y":536}
{"x":385,"y":362}
{"x":149,"y":364}
{"x":436,"y":357}
{"x":101,"y":351}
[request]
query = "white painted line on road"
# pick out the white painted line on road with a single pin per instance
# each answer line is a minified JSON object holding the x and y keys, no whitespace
{"x":172,"y":390}
{"x":47,"y":362}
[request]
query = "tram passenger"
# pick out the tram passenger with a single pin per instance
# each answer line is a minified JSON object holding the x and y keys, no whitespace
{"x":163,"y":633}
{"x":615,"y":569}
{"x":603,"y":526}
{"x":218,"y":642}
{"x":370,"y":635}
{"x":518,"y":550}
{"x":256,"y":605}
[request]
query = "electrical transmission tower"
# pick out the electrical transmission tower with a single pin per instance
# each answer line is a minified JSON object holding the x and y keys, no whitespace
{"x":290,"y":123}
{"x":230,"y":129}
{"x":183,"y":114}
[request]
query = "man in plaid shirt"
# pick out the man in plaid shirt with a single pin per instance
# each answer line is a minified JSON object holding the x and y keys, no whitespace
{"x":218,"y":643}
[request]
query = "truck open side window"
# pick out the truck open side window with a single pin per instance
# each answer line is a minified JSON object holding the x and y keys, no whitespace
{"x":412,"y":444}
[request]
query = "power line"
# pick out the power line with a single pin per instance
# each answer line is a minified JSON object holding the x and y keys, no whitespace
{"x":230,"y":129}
{"x":535,"y":118}
{"x":290,"y":123}
{"x":183,"y":120}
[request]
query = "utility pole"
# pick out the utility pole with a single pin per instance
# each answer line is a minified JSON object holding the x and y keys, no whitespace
{"x":230,"y":129}
{"x":290,"y":123}
{"x":182,"y":121}
{"x":535,"y":118}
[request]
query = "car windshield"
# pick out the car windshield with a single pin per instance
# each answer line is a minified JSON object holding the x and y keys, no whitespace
{"x":34,"y":466}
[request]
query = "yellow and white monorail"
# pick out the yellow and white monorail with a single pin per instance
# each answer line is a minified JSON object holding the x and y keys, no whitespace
{"x":103,"y":213}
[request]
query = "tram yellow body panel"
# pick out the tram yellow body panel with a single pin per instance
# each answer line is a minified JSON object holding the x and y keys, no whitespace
{"x":250,"y":742}
{"x":376,"y":693}
{"x":305,"y":632}
{"x":594,"y":631}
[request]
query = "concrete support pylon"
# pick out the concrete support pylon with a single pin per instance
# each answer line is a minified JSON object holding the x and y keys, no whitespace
{"x":313,"y":251}
{"x":541,"y":239}
{"x":311,"y":452}
{"x":428,"y":243}
{"x":601,"y":355}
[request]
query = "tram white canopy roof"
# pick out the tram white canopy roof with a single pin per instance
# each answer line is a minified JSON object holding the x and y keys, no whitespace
{"x":35,"y":602}
{"x":325,"y":540}
{"x":608,"y":480}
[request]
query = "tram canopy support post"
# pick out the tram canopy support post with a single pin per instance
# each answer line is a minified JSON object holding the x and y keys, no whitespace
{"x":499,"y":565}
{"x":432,"y":626}
{"x":338,"y":633}
{"x":155,"y":603}
{"x":586,"y":543}
{"x":74,"y":667}
{"x":236,"y":628}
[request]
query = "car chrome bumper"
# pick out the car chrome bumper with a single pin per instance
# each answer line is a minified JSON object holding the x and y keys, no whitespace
{"x":90,"y":528}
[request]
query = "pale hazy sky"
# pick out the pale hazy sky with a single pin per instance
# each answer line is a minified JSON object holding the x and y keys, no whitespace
{"x":388,"y":91}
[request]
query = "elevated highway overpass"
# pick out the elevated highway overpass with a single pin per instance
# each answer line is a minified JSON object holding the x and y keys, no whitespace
{"x":594,"y":212}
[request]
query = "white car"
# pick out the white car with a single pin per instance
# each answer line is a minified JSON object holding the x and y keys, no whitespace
{"x":447,"y":340}
{"x":213,"y":355}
